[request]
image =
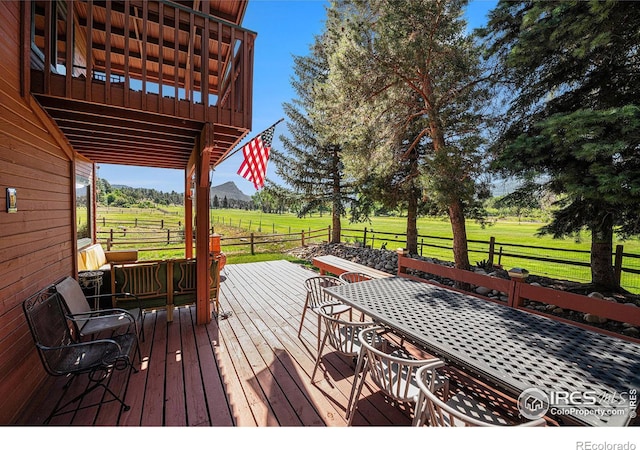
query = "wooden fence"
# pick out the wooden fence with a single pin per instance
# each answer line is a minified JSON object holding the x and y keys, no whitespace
{"x":554,"y":262}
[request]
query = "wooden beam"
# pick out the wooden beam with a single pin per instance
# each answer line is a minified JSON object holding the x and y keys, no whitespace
{"x":188,"y":215}
{"x":206,"y":147}
{"x":51,"y":127}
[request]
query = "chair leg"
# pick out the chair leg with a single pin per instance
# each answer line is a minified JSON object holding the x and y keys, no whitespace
{"x":304,"y":312}
{"x":355,"y":395}
{"x":315,"y":368}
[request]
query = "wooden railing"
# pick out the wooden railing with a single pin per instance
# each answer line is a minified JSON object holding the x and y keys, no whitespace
{"x":144,"y":55}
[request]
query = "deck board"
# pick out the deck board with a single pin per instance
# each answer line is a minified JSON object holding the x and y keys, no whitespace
{"x":249,"y":369}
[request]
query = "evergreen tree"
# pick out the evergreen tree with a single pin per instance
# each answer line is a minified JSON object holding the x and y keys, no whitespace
{"x":573,"y":68}
{"x":404,"y":69}
{"x":312,"y":164}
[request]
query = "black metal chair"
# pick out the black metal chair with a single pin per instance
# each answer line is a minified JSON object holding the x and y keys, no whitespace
{"x":91,"y":322}
{"x":62,"y":355}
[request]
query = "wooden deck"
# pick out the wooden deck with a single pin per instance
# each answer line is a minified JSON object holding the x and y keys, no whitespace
{"x":249,"y":369}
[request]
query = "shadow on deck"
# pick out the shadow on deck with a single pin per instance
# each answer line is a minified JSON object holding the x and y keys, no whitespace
{"x":248,"y":369}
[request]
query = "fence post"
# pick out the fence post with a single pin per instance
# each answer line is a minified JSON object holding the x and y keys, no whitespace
{"x":273,"y":227}
{"x":302,"y":235}
{"x":364,"y":238}
{"x":161,"y":224}
{"x":492,"y":245}
{"x":421,"y":245}
{"x":104,"y":221}
{"x":168,"y":236}
{"x":250,"y":225}
{"x":329,"y":234}
{"x":617,"y":264}
{"x":253,"y":252}
{"x":135,"y":224}
{"x":108,"y":244}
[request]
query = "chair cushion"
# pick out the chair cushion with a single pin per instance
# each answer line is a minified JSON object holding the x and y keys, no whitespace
{"x":94,"y":257}
{"x":74,"y":298}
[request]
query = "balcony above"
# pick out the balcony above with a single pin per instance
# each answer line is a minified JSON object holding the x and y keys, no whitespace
{"x":134,"y":82}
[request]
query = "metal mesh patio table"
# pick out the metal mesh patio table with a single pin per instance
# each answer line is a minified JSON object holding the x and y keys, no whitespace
{"x":510,"y":348}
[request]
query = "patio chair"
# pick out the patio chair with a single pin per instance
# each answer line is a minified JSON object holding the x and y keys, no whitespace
{"x":62,"y":355}
{"x":459,"y":410}
{"x":88,"y":322}
{"x":355,"y":277}
{"x":341,"y":335}
{"x":316,"y":298}
{"x":390,"y":367}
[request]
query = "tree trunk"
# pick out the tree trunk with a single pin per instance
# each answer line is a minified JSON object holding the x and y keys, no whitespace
{"x":602,"y":271}
{"x":336,"y":227}
{"x":412,"y":223}
{"x":458,"y":227}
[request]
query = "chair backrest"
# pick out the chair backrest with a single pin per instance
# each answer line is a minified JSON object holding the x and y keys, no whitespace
{"x":49,"y":327}
{"x":146,"y":280}
{"x":315,"y":290}
{"x":467,"y":413}
{"x":393,"y":372}
{"x":341,"y":334}
{"x":184,"y":281}
{"x":354,"y":277}
{"x":74,"y":299}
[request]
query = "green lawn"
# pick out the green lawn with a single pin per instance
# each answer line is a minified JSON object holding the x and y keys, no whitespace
{"x":381,"y":232}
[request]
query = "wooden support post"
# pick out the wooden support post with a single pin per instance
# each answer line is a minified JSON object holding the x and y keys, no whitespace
{"x":492,"y":245}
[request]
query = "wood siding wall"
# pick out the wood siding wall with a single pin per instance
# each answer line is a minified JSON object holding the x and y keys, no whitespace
{"x":36,"y":246}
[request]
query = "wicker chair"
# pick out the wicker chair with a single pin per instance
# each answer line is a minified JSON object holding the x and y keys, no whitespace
{"x":459,"y":410}
{"x":62,"y":355}
{"x":316,"y":298}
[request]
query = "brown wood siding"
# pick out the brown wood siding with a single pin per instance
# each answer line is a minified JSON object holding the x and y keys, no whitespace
{"x":35,"y":243}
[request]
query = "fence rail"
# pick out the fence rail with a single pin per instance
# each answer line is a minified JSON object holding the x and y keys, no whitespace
{"x":554,"y":262}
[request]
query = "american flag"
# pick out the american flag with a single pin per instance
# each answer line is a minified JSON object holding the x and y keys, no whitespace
{"x":256,"y":156}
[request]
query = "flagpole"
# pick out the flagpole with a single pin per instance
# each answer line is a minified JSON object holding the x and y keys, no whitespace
{"x":238,"y":149}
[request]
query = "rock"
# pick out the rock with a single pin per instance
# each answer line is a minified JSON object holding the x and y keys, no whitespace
{"x":535,"y":283}
{"x":481,"y":290}
{"x":631,"y":331}
{"x":596,"y":295}
{"x":558,"y":310}
{"x":592,"y":318}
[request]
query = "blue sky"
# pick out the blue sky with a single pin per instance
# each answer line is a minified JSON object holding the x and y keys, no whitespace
{"x":285,"y":28}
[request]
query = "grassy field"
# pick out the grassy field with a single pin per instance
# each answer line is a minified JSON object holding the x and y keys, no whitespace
{"x":381,"y":231}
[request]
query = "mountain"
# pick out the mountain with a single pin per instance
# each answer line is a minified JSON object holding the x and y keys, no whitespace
{"x":229,"y":190}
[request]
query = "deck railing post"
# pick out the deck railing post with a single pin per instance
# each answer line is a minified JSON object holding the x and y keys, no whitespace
{"x":517,"y":276}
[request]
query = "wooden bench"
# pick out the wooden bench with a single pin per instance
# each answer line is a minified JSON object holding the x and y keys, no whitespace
{"x":162,"y":284}
{"x":337,"y":266}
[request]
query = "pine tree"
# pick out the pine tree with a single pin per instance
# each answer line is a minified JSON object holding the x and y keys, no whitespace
{"x":404,"y":66}
{"x":312,"y":164}
{"x":573,"y":68}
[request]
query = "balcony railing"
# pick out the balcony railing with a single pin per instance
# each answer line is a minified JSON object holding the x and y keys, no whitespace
{"x":153,"y":56}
